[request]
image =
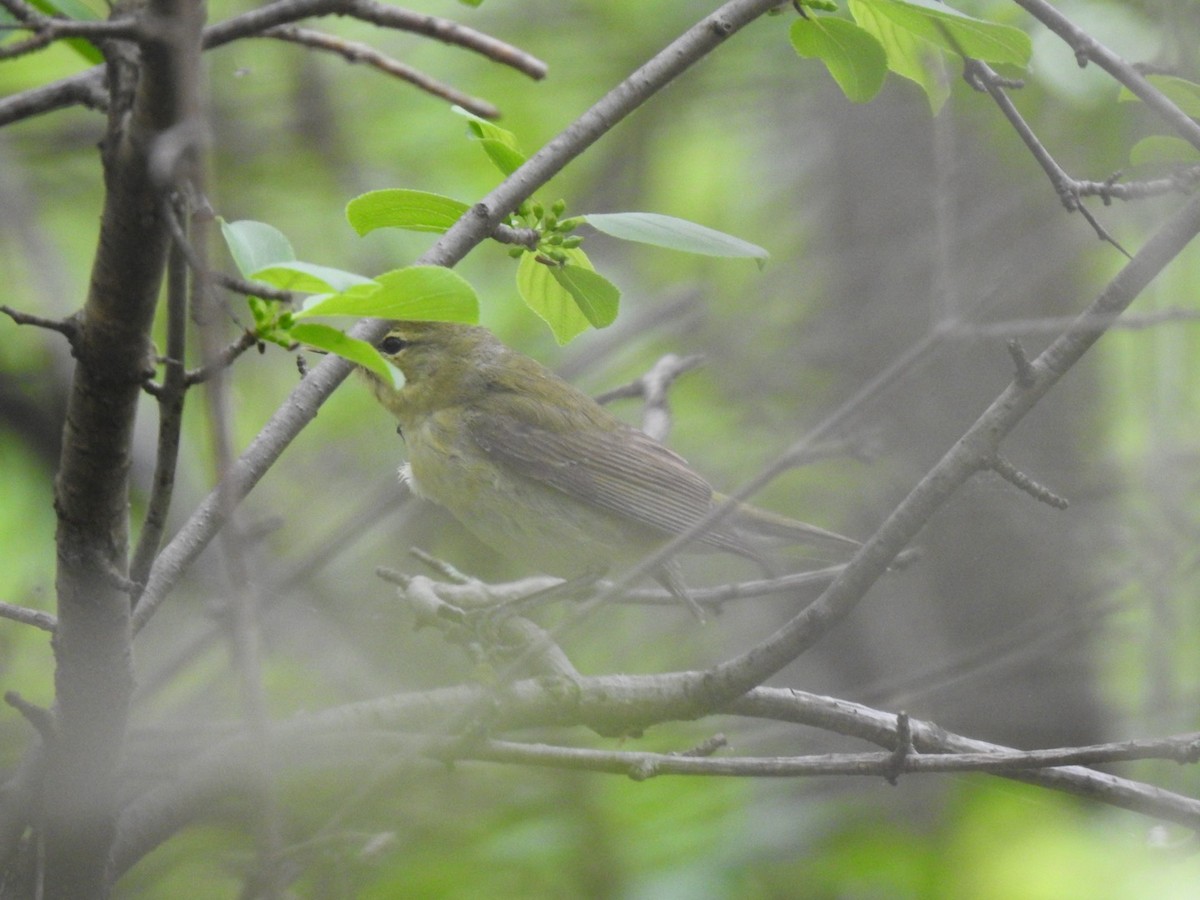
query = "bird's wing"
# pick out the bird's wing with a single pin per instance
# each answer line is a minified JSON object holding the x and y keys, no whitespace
{"x":617,"y":468}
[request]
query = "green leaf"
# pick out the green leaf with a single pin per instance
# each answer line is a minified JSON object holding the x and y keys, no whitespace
{"x":324,"y":337}
{"x":505,"y":158}
{"x":597,"y":297}
{"x":255,"y":246}
{"x":415,"y":292}
{"x":1183,"y":93}
{"x":909,"y":56}
{"x":402,"y":208}
{"x":308,"y":278}
{"x":956,"y":32}
{"x":853,"y":56}
{"x":552,"y":302}
{"x":498,"y":143}
{"x":1160,"y":150}
{"x":675,"y":234}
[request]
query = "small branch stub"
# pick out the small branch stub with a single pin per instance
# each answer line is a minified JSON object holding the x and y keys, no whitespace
{"x":1019,"y":479}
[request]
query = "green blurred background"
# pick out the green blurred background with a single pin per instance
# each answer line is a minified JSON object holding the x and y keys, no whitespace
{"x":1021,"y":624}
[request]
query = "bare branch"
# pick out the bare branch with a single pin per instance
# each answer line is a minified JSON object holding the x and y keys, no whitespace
{"x":356,"y":52}
{"x":283,"y":12}
{"x":971,"y":452}
{"x":413,"y":726}
{"x":26,"y":616}
{"x":1088,"y":48}
{"x":85,"y":89}
{"x":981,"y":76}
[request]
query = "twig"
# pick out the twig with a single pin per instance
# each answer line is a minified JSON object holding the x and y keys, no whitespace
{"x":1020,"y":480}
{"x":973,"y":450}
{"x":47,"y":29}
{"x":68,"y":327}
{"x":244,"y":342}
{"x":26,"y":616}
{"x":85,"y":89}
{"x":653,"y":388}
{"x":282,"y":12}
{"x":981,"y":76}
{"x":356,"y":52}
{"x":170,"y":399}
{"x":1181,"y":181}
{"x":1088,"y":48}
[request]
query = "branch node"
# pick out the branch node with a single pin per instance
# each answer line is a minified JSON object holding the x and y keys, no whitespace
{"x":720,"y":25}
{"x":1019,"y":479}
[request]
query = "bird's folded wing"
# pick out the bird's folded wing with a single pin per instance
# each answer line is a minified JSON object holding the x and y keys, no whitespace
{"x":618,"y":469}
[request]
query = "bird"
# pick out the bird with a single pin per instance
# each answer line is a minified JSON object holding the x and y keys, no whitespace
{"x":542,"y":473}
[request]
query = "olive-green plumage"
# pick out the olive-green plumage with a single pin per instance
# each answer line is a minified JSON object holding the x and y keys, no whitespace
{"x":540,"y":471}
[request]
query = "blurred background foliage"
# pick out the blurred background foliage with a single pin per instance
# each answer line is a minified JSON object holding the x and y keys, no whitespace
{"x":1021,"y":624}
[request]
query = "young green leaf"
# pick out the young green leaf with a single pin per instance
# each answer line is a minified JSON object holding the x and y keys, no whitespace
{"x":255,"y":246}
{"x":324,"y":337}
{"x":908,"y":55}
{"x":1163,"y":150}
{"x":854,"y":58}
{"x":402,"y":208}
{"x":956,"y":32}
{"x":415,"y":292}
{"x":498,"y":143}
{"x":675,"y":234}
{"x":308,"y":278}
{"x":597,"y":297}
{"x":547,"y":297}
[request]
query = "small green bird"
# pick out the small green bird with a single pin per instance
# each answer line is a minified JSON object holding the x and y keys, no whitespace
{"x":544,"y":474}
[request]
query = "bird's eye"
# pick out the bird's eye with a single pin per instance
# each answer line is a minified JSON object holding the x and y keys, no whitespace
{"x":392,"y":344}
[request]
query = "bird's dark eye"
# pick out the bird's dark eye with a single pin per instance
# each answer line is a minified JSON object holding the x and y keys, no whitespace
{"x":392,"y":344}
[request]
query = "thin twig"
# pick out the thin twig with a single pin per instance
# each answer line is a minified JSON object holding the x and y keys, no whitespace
{"x":653,"y":388}
{"x":1023,"y":482}
{"x":1181,"y":181}
{"x":981,"y":76}
{"x":67,"y":327}
{"x":283,"y":12}
{"x":357,"y":52}
{"x":85,"y":89}
{"x":223,"y":359}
